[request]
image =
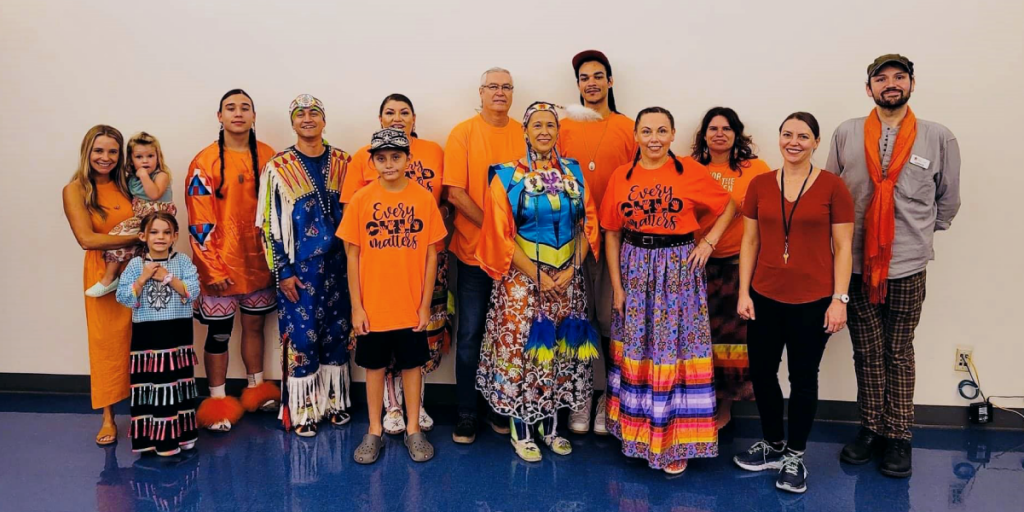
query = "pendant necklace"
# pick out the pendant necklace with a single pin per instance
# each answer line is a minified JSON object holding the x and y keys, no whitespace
{"x":592,"y":166}
{"x":787,"y":224}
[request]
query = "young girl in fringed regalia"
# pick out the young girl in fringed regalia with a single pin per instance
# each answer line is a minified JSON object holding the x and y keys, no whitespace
{"x":159,"y":287}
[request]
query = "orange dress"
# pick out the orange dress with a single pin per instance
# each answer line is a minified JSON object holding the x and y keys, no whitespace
{"x":110,"y":323}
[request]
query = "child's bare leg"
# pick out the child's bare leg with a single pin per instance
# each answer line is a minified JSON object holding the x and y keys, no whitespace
{"x":411,"y":381}
{"x":375,"y":399}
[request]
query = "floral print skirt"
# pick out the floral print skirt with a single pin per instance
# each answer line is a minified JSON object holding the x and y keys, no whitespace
{"x":513,"y":384}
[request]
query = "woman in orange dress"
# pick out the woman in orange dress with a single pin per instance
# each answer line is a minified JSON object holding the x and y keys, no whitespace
{"x":96,"y":200}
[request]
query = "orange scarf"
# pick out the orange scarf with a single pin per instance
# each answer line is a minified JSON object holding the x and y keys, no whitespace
{"x":880,"y":218}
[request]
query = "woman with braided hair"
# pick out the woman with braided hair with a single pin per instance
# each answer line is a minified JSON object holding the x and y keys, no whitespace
{"x":220,"y":193}
{"x":540,"y":223}
{"x":661,"y":397}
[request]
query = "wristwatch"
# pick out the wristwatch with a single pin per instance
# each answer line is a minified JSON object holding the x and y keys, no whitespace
{"x":841,"y":297}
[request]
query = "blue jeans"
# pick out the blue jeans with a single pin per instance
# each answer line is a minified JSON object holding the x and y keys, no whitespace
{"x":473,"y":296}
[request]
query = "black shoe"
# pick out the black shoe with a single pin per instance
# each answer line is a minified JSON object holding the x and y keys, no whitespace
{"x":896,"y":461}
{"x":465,"y":430}
{"x":793,"y":475}
{"x":499,"y":424}
{"x":866,"y":445}
{"x":759,"y":457}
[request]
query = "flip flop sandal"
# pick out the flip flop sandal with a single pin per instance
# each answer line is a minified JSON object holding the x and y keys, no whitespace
{"x":420,"y":450}
{"x":368,"y":450}
{"x":559,"y":445}
{"x":527,"y":450}
{"x":340,"y":418}
{"x":110,"y":432}
{"x":307,"y":430}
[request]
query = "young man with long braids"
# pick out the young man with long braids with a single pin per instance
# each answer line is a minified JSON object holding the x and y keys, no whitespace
{"x":220,"y":194}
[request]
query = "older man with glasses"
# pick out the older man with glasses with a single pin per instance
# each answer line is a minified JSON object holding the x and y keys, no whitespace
{"x":474,"y":145}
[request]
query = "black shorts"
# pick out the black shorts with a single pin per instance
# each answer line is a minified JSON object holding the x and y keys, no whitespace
{"x":408,"y":349}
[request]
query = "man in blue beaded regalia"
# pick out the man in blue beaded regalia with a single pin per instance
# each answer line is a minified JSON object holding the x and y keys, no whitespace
{"x":299,"y":211}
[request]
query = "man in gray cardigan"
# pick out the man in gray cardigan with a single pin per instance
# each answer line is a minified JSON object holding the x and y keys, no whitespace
{"x":904,"y":175}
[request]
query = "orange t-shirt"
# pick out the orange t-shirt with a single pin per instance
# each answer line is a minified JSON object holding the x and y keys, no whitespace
{"x":394,"y":231}
{"x":736,"y":183}
{"x":660,"y":201}
{"x":426,"y":166}
{"x":809,"y":274}
{"x":609,"y":144}
{"x":474,"y":146}
{"x":225,"y":240}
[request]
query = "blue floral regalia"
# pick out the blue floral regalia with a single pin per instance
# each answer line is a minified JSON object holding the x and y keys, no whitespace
{"x":299,"y":212}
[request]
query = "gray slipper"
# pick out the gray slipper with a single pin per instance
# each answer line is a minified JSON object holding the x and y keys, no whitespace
{"x":419,"y":448}
{"x":368,"y":450}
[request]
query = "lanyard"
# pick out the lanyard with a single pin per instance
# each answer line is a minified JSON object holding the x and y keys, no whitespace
{"x":787,"y":224}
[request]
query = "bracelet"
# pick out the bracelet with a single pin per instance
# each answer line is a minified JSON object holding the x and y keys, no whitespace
{"x":709,"y":243}
{"x":168,"y":278}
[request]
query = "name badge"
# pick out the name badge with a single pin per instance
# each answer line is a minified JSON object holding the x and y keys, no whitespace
{"x":920,"y":162}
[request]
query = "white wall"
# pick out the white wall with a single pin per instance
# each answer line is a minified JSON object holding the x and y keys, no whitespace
{"x":161,"y":67}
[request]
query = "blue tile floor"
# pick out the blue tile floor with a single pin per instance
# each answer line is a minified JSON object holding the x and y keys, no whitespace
{"x":50,"y":463}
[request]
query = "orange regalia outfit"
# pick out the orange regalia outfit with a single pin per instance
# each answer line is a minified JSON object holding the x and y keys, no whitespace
{"x":226,"y":244}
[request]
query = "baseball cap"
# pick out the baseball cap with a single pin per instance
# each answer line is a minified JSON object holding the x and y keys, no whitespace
{"x":588,"y":56}
{"x":890,"y":58}
{"x":389,"y":138}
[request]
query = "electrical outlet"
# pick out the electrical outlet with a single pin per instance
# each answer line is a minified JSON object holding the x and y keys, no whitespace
{"x":963,"y":355}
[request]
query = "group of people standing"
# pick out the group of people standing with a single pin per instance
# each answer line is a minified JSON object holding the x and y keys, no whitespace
{"x":579,"y":235}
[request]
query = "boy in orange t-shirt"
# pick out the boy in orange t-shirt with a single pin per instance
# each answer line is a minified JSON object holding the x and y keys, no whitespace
{"x":390,"y":229}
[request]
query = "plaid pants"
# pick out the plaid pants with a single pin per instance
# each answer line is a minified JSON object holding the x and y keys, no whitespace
{"x":883,"y":353}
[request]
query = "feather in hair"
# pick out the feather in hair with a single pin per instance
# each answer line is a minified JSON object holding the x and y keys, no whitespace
{"x":577,"y":113}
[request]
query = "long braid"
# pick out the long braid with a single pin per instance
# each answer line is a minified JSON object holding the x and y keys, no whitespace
{"x":220,"y":147}
{"x":254,"y":152}
{"x":679,"y":165}
{"x":636,"y":159}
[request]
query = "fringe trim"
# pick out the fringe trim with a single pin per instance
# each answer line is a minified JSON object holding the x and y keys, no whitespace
{"x":280,"y":226}
{"x":312,"y":397}
{"x":158,"y":429}
{"x":164,"y":394}
{"x":307,"y":401}
{"x":143,"y":361}
{"x":337,"y":386}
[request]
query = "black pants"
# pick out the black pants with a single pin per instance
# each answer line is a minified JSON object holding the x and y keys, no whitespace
{"x":473,"y":296}
{"x":800,"y":329}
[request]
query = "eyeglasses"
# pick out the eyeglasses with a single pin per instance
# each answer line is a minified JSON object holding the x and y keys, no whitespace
{"x":495,"y":87}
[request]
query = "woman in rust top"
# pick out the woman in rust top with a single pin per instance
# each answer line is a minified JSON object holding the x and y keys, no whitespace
{"x":795,"y":262}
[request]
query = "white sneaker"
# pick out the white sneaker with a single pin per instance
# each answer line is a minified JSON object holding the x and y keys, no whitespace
{"x":600,"y":428}
{"x":220,"y":426}
{"x":579,"y":421}
{"x":98,"y":290}
{"x":394,"y":422}
{"x":426,"y":422}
